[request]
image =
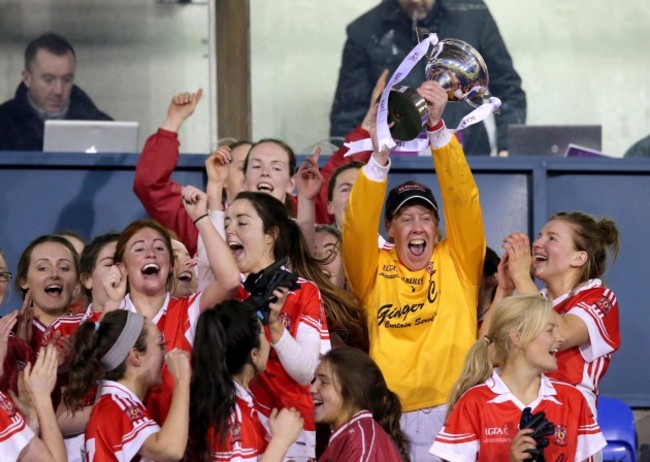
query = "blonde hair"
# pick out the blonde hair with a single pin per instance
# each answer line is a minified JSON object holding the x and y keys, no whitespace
{"x":526,"y":315}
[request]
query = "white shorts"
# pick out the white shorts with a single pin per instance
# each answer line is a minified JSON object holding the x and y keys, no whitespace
{"x":421,"y":428}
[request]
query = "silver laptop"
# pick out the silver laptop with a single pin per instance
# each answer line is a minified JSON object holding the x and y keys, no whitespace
{"x":551,"y":140}
{"x":90,"y":136}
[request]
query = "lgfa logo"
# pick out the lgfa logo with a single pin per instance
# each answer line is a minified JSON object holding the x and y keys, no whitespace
{"x":497,"y":431}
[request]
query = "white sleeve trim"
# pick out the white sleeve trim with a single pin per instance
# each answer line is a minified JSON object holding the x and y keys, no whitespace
{"x":375,"y":171}
{"x":597,"y":347}
{"x":439,"y":138}
{"x":299,"y":356}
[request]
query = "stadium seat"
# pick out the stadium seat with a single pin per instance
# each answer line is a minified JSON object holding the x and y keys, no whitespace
{"x":616,"y":421}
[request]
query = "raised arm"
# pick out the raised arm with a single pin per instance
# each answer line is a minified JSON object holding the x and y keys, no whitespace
{"x":460,"y":198}
{"x":338,"y":157}
{"x":362,"y":217}
{"x":223,"y":264}
{"x":309,"y":182}
{"x":168,"y":445}
{"x":159,"y":194}
{"x":40,"y":381}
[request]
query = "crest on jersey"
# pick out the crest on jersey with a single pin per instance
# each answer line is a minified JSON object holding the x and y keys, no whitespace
{"x":604,"y":304}
{"x":134,"y":413}
{"x":285,"y":320}
{"x":235,"y":432}
{"x":560,"y":435}
{"x":7,"y":406}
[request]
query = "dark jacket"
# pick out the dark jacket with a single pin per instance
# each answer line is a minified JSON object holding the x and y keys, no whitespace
{"x":21,"y":129}
{"x":382,"y":37}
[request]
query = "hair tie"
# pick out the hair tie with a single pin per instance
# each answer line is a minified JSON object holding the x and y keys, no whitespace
{"x":489,"y":340}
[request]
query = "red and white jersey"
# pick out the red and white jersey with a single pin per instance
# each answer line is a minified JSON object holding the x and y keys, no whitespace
{"x":38,"y":331}
{"x":19,"y":353}
{"x":584,"y":366}
{"x":68,"y":324}
{"x":246,"y":438}
{"x":275,"y":388}
{"x":118,"y":426}
{"x":361,"y":439}
{"x":176,"y":321}
{"x":486,"y":418}
{"x":15,"y":434}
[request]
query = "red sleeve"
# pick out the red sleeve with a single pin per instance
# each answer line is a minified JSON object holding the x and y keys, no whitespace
{"x":159,"y":194}
{"x":335,"y":161}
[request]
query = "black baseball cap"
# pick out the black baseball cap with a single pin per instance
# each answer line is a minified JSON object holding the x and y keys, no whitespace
{"x":407,"y":192}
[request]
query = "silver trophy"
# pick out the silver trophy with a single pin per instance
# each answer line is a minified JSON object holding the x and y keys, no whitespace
{"x":457,"y":67}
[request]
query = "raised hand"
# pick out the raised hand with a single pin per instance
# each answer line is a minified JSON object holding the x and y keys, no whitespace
{"x":114,"y":284}
{"x":25,"y":319}
{"x":285,"y":425}
{"x":309,"y":179}
{"x":216,"y":165}
{"x":181,"y":107}
{"x":195,"y":201}
{"x":64,"y":348}
{"x":376,"y":93}
{"x":517,"y":247}
{"x":436,"y":99}
{"x":178,"y":363}
{"x":41,"y":378}
{"x":7,"y":323}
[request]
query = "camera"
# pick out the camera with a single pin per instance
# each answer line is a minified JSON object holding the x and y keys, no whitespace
{"x":261,"y":285}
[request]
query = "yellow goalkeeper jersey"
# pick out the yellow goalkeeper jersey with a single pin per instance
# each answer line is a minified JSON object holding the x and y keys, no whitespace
{"x":421,"y":323}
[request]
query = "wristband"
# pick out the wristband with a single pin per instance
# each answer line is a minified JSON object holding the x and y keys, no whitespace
{"x":199,"y":218}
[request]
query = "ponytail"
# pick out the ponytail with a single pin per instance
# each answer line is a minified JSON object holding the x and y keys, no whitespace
{"x":388,"y":415}
{"x":477,"y":369}
{"x":525,"y":315}
{"x":225,"y":337}
{"x":92,"y":341}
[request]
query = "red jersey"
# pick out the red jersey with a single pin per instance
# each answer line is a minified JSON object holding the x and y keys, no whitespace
{"x":584,"y":366}
{"x":246,"y":438}
{"x":361,"y":439}
{"x":118,"y":426}
{"x":275,"y":388}
{"x":176,"y":321}
{"x":15,"y":434}
{"x":486,"y":418}
{"x":19,"y":353}
{"x":68,"y":324}
{"x":38,"y":330}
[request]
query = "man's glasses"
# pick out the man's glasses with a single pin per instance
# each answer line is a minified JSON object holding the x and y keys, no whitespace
{"x":5,"y":276}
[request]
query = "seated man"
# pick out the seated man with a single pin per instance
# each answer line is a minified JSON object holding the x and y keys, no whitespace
{"x":47,"y":91}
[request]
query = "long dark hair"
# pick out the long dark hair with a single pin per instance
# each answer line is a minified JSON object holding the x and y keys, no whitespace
{"x":91,"y":343}
{"x":225,"y":337}
{"x":88,"y":260}
{"x":362,"y":386}
{"x":341,"y":307}
{"x":26,"y":258}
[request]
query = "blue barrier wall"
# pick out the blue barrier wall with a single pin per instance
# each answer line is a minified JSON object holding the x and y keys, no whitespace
{"x":93,"y":194}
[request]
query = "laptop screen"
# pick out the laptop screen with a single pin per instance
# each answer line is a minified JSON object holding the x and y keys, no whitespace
{"x":90,"y":136}
{"x":551,"y":140}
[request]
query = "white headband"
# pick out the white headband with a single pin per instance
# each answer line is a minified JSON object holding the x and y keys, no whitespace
{"x":129,"y":335}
